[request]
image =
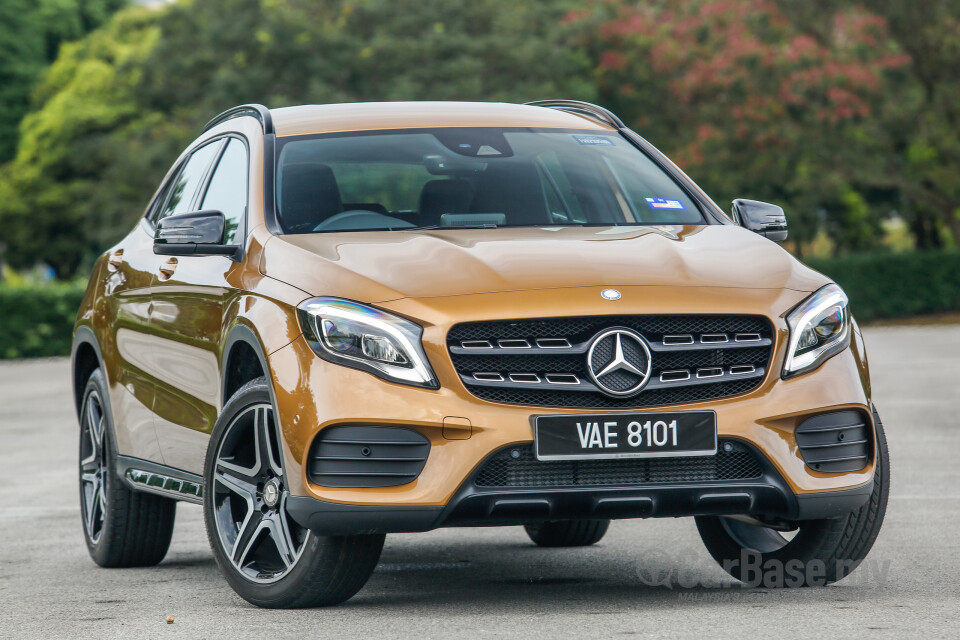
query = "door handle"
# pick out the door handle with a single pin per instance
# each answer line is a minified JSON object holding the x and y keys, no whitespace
{"x":167,"y":269}
{"x":115,"y":260}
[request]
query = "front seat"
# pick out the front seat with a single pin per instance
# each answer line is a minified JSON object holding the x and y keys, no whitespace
{"x":308,"y":195}
{"x":444,"y":196}
{"x":512,"y":188}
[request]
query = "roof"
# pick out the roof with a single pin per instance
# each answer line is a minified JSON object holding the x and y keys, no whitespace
{"x":366,"y":116}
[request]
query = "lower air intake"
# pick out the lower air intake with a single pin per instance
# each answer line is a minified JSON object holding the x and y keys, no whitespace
{"x":835,"y":442}
{"x":349,"y":456}
{"x":516,"y":466}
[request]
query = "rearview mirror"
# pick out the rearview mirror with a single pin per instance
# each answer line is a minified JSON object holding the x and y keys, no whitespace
{"x":195,"y":233}
{"x":761,"y":217}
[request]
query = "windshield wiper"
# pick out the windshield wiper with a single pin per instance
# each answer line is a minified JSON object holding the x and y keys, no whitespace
{"x":429,"y":227}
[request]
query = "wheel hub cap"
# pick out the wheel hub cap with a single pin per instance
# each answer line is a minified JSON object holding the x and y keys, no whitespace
{"x":271,"y":493}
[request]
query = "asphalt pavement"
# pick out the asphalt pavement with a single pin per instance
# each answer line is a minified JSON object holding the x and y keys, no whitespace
{"x":645,"y":578}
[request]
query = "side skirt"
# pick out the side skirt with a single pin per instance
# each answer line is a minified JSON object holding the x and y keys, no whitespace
{"x":143,"y":475}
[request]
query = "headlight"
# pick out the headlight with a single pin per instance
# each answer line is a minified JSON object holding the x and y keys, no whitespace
{"x":819,"y":329}
{"x":368,"y":339}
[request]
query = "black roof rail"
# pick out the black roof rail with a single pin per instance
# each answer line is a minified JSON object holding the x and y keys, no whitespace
{"x":583,"y":108}
{"x":257,"y":111}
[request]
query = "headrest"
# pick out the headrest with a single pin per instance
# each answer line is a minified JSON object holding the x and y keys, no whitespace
{"x":444,"y":196}
{"x":308,"y":195}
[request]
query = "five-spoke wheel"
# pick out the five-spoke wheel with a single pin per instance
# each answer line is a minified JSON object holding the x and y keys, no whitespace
{"x":265,"y":555}
{"x":93,"y":466}
{"x":249,"y":499}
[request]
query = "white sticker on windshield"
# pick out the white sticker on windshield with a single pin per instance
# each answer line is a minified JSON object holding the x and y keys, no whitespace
{"x":664,"y":203}
{"x":593,"y":140}
{"x":487,"y":150}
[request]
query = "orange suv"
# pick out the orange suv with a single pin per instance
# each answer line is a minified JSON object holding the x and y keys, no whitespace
{"x":341,"y":321}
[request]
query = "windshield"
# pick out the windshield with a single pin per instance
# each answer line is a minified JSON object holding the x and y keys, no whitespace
{"x":472,"y":177}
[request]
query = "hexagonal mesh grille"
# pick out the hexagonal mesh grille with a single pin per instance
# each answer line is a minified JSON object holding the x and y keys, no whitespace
{"x":504,"y":470}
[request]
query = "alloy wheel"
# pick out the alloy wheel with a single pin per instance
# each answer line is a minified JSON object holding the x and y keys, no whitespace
{"x":93,"y":467}
{"x":250,"y":495}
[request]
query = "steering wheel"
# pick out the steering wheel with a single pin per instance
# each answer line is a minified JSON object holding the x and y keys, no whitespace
{"x":360,"y":219}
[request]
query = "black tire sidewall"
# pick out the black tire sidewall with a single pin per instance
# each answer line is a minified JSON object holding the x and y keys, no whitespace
{"x":837,"y":545}
{"x":114,"y":488}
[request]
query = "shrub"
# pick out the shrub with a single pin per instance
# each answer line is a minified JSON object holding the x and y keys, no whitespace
{"x":37,"y":320}
{"x":895,"y":285}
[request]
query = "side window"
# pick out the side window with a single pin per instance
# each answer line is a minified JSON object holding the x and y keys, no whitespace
{"x":184,"y":187}
{"x":228,"y":189}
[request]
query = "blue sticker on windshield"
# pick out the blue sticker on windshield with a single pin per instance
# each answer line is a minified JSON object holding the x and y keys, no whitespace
{"x":664,"y":203}
{"x":593,"y":140}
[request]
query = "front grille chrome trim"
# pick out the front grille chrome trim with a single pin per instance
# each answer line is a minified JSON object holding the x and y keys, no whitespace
{"x":562,"y":378}
{"x":513,"y":344}
{"x":524,"y":378}
{"x":677,"y":375}
{"x":742,"y":369}
{"x":710,"y":372}
{"x":476,"y":344}
{"x":488,"y":376}
{"x":553,"y":343}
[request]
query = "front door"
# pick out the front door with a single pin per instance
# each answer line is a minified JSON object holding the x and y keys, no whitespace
{"x":130,"y":373}
{"x":189,"y":297}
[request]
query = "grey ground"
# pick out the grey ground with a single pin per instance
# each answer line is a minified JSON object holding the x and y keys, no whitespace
{"x":645,"y":578}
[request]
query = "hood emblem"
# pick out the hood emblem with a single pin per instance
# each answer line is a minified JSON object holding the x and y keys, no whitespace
{"x":610,"y":294}
{"x":618,"y":362}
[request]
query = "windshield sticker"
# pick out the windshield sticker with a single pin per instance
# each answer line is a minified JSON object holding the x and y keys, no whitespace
{"x":593,"y":140}
{"x":664,"y":203}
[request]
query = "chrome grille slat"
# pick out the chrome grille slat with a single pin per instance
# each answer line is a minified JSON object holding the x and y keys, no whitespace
{"x":562,"y":378}
{"x":476,"y":344}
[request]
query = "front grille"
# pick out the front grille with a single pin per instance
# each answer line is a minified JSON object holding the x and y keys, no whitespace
{"x":516,"y":466}
{"x":543,"y":362}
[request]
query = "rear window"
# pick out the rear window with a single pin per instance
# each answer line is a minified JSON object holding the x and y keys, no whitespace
{"x":473,"y":177}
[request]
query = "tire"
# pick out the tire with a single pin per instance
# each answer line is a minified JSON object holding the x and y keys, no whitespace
{"x":821,"y":552}
{"x":122,"y":527}
{"x":567,"y":533}
{"x":265,"y":556}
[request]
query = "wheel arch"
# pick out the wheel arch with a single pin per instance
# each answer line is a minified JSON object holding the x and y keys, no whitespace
{"x":85,"y":358}
{"x":243,"y":360}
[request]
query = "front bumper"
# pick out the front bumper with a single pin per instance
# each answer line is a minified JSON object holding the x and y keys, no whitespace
{"x":767,"y":496}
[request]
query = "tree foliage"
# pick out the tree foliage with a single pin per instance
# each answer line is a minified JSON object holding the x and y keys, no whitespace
{"x":750,"y":102}
{"x":116,"y":108}
{"x":31,"y":32}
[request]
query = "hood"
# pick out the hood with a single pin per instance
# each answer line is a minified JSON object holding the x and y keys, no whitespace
{"x":377,"y":266}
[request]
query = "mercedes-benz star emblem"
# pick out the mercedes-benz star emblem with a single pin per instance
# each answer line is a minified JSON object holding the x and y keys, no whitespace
{"x":619,"y":362}
{"x":610,"y":294}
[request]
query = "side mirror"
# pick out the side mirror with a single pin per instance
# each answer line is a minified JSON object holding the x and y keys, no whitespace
{"x":196,"y":233}
{"x":761,"y":217}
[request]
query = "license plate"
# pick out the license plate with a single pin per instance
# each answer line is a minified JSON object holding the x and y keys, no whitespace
{"x":625,"y":435}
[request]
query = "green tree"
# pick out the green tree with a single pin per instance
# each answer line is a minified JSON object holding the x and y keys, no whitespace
{"x":116,"y":108}
{"x":751,"y":103}
{"x":31,"y":32}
